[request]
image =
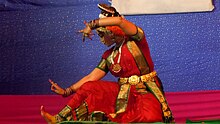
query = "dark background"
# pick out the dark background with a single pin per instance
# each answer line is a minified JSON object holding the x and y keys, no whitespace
{"x":39,"y":40}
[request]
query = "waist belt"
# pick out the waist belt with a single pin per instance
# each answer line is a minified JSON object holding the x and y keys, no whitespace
{"x":122,"y":99}
{"x":148,"y":80}
{"x":134,"y":79}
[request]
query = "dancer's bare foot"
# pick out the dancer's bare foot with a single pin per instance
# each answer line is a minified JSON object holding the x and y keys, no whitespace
{"x":48,"y":117}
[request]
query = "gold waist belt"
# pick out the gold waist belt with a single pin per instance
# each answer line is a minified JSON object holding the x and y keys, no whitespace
{"x":125,"y":84}
{"x":134,"y":79}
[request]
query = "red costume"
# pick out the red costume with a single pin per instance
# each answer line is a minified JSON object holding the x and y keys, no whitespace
{"x":140,"y":104}
{"x":137,"y":96}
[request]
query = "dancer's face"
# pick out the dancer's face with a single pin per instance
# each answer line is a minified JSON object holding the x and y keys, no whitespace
{"x":106,"y":36}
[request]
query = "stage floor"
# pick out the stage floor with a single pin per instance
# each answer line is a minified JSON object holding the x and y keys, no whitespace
{"x":25,"y":109}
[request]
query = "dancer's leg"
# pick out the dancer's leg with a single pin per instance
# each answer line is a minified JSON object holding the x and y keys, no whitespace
{"x":64,"y":115}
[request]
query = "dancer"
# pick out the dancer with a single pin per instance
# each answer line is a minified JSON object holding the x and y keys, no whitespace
{"x":138,"y":95}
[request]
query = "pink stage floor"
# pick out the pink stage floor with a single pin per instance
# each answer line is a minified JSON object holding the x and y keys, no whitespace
{"x":25,"y":109}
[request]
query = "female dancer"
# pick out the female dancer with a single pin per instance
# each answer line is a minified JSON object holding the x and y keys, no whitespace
{"x":137,"y":96}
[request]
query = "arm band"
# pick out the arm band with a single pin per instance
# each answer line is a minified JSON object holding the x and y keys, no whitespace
{"x":139,"y":35}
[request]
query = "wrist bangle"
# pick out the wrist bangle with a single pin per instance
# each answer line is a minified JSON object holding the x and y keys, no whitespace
{"x":94,"y":24}
{"x":68,"y":91}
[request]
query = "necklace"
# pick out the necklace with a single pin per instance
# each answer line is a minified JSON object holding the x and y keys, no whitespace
{"x":116,"y":67}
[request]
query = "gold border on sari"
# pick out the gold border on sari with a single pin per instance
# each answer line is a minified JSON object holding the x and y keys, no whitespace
{"x":82,"y":112}
{"x":139,"y":57}
{"x":161,"y":98}
{"x":65,"y":114}
{"x":122,"y":99}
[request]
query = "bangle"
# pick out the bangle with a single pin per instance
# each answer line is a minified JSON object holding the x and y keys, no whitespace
{"x":68,"y":91}
{"x":94,"y":24}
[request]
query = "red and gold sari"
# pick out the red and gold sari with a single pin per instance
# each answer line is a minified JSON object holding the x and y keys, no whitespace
{"x":130,"y":103}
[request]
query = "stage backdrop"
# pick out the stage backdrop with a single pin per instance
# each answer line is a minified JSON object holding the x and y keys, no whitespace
{"x":132,"y":7}
{"x":39,"y":40}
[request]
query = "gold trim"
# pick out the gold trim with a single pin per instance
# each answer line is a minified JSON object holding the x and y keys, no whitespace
{"x":134,"y":79}
{"x":66,"y":113}
{"x":125,"y":83}
{"x":98,"y":116}
{"x":138,"y":56}
{"x":122,"y":99}
{"x":82,"y":112}
{"x":161,"y":98}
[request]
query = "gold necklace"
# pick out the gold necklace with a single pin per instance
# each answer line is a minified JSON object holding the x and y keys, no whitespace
{"x":116,"y":67}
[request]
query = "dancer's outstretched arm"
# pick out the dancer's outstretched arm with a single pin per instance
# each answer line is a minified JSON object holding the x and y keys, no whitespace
{"x":95,"y":75}
{"x":128,"y":27}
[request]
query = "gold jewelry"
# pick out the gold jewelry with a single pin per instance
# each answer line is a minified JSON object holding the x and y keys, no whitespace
{"x":93,"y":24}
{"x":116,"y":67}
{"x":68,"y":91}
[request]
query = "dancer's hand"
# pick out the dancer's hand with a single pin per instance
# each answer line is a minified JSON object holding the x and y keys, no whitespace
{"x":87,"y":32}
{"x":56,"y":88}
